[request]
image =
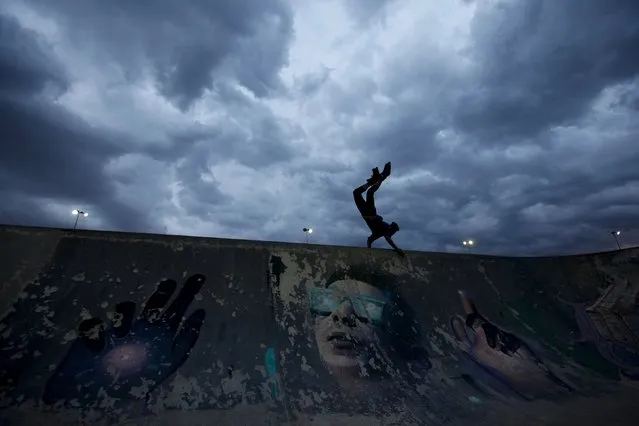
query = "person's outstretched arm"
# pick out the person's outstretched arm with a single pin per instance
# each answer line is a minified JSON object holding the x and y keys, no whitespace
{"x":399,"y":251}
{"x":370,"y":240}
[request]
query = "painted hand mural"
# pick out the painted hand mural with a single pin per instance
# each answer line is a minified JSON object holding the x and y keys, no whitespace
{"x":15,"y":354}
{"x":500,"y":360}
{"x":22,"y":338}
{"x":134,"y":355}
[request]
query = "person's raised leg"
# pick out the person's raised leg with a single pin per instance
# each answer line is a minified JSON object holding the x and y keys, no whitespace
{"x":377,"y":178}
{"x":370,"y":198}
{"x":386,"y":171}
{"x":371,"y":186}
{"x":359,"y":191}
{"x":358,"y":197}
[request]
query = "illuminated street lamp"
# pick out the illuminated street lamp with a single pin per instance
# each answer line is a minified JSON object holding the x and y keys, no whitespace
{"x":77,"y":213}
{"x":615,"y":234}
{"x":468,"y":244}
{"x":308,"y":232}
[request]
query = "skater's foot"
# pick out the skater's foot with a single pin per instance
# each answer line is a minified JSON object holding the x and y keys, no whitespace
{"x":375,"y":177}
{"x":387,"y":170}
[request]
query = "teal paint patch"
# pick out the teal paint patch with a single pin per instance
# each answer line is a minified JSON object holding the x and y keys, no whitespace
{"x":270,"y":361}
{"x":474,"y":400}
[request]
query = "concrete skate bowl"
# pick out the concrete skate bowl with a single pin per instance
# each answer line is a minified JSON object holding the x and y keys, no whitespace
{"x":113,"y":328}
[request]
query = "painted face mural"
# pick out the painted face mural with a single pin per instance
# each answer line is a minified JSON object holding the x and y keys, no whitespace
{"x":363,"y":328}
{"x":96,"y":332}
{"x":500,"y":360}
{"x":348,"y":317}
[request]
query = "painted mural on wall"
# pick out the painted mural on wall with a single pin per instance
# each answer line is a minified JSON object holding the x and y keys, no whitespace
{"x":318,"y":339}
{"x":611,"y":323}
{"x":361,"y":349}
{"x":499,"y":361}
{"x":133,"y":355}
{"x":360,"y":318}
{"x":126,"y":362}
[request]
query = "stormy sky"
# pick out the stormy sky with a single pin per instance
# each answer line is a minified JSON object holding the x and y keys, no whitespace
{"x":511,"y":122}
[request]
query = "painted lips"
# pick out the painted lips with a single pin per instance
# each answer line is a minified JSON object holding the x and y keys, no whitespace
{"x":341,"y":341}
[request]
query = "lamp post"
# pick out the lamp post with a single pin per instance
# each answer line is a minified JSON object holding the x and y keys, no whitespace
{"x":308,"y":232}
{"x":468,"y":244}
{"x":77,"y":213}
{"x":615,"y":234}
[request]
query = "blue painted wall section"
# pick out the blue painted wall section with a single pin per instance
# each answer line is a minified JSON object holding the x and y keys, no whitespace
{"x":270,"y":361}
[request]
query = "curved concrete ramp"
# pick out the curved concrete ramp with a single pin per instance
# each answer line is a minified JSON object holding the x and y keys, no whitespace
{"x":110,"y":328}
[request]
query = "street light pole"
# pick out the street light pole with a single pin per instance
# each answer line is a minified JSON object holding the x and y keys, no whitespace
{"x":308,"y":232}
{"x":77,"y":214}
{"x":615,"y":234}
{"x":468,"y":244}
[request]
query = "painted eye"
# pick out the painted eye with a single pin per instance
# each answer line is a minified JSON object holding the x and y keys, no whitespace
{"x":373,"y":310}
{"x":326,"y":305}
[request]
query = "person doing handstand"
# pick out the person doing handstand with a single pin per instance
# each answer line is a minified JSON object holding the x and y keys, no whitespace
{"x":375,"y":222}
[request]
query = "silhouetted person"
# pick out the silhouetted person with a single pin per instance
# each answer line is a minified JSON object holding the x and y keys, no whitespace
{"x":375,"y":222}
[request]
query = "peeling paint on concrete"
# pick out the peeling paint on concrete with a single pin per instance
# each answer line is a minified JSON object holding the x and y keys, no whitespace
{"x":250,"y":346}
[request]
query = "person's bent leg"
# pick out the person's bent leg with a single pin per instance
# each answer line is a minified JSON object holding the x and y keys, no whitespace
{"x":370,"y":199}
{"x":359,"y":199}
{"x":372,"y":189}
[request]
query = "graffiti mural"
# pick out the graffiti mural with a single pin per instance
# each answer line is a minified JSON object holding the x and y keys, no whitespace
{"x":112,"y":366}
{"x":132,"y":356}
{"x":255,"y":333}
{"x":363,"y":350}
{"x":362,"y":326}
{"x":612,"y":324}
{"x":499,"y":360}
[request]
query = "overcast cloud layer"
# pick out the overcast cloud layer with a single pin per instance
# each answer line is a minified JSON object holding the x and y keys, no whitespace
{"x":513,"y":122}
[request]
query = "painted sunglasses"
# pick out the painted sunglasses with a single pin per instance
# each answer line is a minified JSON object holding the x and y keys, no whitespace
{"x":323,"y":301}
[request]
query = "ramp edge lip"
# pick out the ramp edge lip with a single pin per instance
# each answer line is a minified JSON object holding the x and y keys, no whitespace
{"x":150,"y":237}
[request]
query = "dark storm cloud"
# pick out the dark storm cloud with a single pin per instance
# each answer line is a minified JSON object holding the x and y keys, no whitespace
{"x":25,"y":65}
{"x":477,"y":153}
{"x":503,"y":176}
{"x":55,"y":156}
{"x":308,"y":84}
{"x":251,"y":135}
{"x":408,"y":134}
{"x":535,"y":205}
{"x":47,"y":153}
{"x":542,"y":61}
{"x":189,"y":44}
{"x":364,"y":11}
{"x":196,"y":195}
